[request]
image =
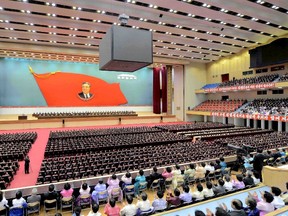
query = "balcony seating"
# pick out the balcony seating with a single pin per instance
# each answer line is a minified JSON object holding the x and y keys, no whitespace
{"x":220,"y":105}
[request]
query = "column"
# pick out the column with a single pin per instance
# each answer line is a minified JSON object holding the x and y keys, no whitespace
{"x":286,"y":127}
{"x":248,"y":122}
{"x":213,"y":118}
{"x":279,"y":126}
{"x":262,"y":124}
{"x":205,"y":118}
{"x":224,"y":121}
{"x":269,"y":125}
{"x":255,"y":123}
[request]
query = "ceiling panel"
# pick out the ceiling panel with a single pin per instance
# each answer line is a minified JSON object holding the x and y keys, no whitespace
{"x":190,"y":30}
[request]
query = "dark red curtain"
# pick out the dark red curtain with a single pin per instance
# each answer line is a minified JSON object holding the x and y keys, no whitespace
{"x":156,"y":91}
{"x":164,"y":89}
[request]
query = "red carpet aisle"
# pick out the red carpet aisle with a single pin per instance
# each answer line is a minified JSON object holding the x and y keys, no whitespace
{"x":36,"y":155}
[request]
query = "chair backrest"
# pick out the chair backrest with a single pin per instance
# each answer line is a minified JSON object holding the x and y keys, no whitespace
{"x":16,"y":211}
{"x":142,"y":185}
{"x":115,"y":191}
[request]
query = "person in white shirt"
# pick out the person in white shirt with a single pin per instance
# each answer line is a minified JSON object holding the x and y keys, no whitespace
{"x":129,"y":209}
{"x":84,"y":190}
{"x":208,"y":192}
{"x":278,"y":201}
{"x":199,"y":194}
{"x":94,"y":211}
{"x":126,"y":179}
{"x":256,"y":177}
{"x":210,"y":167}
{"x":177,"y":176}
{"x":144,"y":204}
{"x":3,"y":201}
{"x":228,"y":185}
{"x":19,"y":201}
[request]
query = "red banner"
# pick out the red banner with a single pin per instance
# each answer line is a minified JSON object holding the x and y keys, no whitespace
{"x":241,"y":88}
{"x":67,"y":89}
{"x":251,"y":116}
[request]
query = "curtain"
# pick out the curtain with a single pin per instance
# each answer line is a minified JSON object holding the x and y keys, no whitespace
{"x":164,"y":89}
{"x":156,"y":91}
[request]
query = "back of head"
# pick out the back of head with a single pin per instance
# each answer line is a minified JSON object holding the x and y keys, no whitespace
{"x":155,"y":169}
{"x":199,"y":213}
{"x":168,"y":169}
{"x":67,"y":186}
{"x":186,"y":189}
{"x":160,"y":194}
{"x":112,"y":202}
{"x":114,"y":176}
{"x":237,"y":204}
{"x":251,"y":203}
{"x":259,"y":150}
{"x":268,"y":197}
{"x":18,"y":194}
{"x":217,"y":161}
{"x":1,"y":196}
{"x":192,"y":166}
{"x":211,"y":164}
{"x":209,"y":185}
{"x":141,"y":172}
{"x":239,"y":177}
{"x":176,"y":192}
{"x":276,"y":191}
{"x":51,"y":188}
{"x":221,"y":212}
{"x":177,"y":166}
{"x":203,"y":164}
{"x":128,"y":175}
{"x":199,"y":187}
{"x":84,"y":186}
{"x":221,"y":182}
{"x":100,"y":181}
{"x":129,"y":199}
{"x":227,"y":178}
{"x":144,"y":196}
{"x":95,"y":208}
{"x":34,"y":191}
{"x":222,"y":159}
{"x":77,"y":210}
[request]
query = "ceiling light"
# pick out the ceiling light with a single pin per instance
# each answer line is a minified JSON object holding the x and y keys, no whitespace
{"x":267,"y":23}
{"x":53,"y":4}
{"x":79,"y":8}
{"x":279,"y":26}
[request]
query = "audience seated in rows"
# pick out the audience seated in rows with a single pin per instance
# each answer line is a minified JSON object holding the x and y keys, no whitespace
{"x":250,"y":81}
{"x":278,"y":107}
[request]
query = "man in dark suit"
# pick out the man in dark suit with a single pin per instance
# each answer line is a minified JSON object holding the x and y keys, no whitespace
{"x":26,"y":164}
{"x":258,"y":162}
{"x":85,"y":94}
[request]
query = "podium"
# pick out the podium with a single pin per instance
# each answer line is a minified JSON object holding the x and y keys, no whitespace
{"x":22,"y":117}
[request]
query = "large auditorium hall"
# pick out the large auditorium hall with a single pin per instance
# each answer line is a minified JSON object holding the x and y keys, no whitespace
{"x":149,"y":107}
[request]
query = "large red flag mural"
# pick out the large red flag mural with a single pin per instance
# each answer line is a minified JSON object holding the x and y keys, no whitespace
{"x":70,"y":89}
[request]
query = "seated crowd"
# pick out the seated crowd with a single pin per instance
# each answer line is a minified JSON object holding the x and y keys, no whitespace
{"x":173,"y":190}
{"x":98,"y":132}
{"x":249,"y":81}
{"x":220,"y":105}
{"x":118,"y":160}
{"x":193,"y":126}
{"x":277,"y":107}
{"x":84,"y":114}
{"x":73,"y":145}
{"x":283,"y":78}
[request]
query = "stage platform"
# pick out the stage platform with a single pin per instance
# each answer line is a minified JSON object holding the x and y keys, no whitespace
{"x":20,"y":122}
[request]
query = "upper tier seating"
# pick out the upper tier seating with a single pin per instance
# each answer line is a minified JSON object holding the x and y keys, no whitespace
{"x":84,"y":114}
{"x":267,"y":107}
{"x":283,"y":78}
{"x":220,"y":105}
{"x":249,"y":81}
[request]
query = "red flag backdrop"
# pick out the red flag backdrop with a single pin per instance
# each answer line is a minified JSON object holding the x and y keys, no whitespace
{"x":62,"y":88}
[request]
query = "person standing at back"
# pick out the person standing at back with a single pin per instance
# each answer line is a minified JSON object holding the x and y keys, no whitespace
{"x":27,"y":164}
{"x":258,"y":162}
